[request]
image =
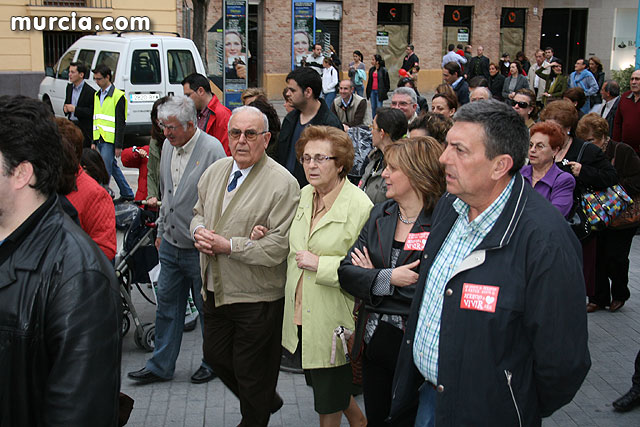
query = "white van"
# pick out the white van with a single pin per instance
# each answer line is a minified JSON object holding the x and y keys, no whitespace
{"x":145,"y":66}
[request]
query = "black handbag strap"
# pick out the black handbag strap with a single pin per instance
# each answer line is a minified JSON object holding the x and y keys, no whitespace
{"x":584,"y":145}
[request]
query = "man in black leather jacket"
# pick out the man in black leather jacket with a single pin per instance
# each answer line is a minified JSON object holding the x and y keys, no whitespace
{"x":60,"y":312}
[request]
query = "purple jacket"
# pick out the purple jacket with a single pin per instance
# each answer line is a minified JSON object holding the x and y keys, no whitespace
{"x":556,"y":186}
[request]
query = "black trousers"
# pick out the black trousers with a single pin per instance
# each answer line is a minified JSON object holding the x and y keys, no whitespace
{"x":378,"y":366}
{"x":612,"y":262}
{"x":242,"y":343}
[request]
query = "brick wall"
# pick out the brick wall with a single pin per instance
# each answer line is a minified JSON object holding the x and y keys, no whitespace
{"x":358,"y":31}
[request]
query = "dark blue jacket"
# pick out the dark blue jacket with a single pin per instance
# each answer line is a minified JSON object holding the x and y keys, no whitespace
{"x":537,"y":334}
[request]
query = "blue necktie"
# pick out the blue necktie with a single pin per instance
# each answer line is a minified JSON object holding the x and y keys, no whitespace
{"x":234,"y":182}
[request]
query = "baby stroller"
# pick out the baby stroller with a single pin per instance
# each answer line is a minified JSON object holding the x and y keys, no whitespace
{"x":137,"y":257}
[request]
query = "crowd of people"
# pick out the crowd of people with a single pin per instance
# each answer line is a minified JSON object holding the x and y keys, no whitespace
{"x":424,"y":257}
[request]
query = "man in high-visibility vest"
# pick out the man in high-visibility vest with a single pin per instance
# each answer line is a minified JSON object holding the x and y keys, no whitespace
{"x":109,"y":116}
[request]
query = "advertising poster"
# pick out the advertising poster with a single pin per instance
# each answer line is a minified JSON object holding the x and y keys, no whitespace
{"x":215,"y":54}
{"x":235,"y":52}
{"x":303,"y":31}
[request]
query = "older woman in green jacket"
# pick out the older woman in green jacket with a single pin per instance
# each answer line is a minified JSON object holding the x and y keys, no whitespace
{"x":327,"y":223}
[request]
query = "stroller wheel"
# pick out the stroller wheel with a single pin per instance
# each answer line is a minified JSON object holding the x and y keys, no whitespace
{"x":126,"y":324}
{"x":138,"y":336}
{"x":149,"y":338}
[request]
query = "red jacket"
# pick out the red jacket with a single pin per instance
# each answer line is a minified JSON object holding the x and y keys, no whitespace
{"x":132,"y":159}
{"x":218,"y":121}
{"x":96,"y":212}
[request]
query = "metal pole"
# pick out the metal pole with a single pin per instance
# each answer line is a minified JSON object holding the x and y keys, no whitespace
{"x":638,"y":39}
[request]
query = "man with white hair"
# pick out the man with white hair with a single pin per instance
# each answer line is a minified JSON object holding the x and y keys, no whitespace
{"x":405,"y":100}
{"x":479,"y":93}
{"x":244,"y":278}
{"x":186,"y":154}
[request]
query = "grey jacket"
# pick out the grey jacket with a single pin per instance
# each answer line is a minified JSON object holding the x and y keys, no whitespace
{"x":176,"y":210}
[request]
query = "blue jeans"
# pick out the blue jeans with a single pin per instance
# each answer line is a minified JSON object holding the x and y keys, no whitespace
{"x":426,"y":416}
{"x":329,"y":97}
{"x":359,"y":89}
{"x":179,"y":272}
{"x":107,"y":151}
{"x":375,"y":103}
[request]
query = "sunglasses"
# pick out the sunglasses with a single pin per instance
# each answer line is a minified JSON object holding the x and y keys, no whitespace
{"x":520,"y":104}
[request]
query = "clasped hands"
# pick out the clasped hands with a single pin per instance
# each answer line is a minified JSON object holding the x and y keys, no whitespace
{"x":210,"y":243}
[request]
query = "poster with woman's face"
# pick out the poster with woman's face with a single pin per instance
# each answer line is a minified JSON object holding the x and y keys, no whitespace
{"x":303,"y":27}
{"x":235,"y":51}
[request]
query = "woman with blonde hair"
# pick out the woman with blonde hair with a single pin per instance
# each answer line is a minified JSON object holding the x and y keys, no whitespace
{"x":382,"y":266}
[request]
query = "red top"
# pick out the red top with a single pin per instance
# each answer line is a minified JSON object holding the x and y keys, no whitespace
{"x":374,"y":83}
{"x":133,"y":159}
{"x":626,"y":126}
{"x":217,"y":122}
{"x":96,"y":212}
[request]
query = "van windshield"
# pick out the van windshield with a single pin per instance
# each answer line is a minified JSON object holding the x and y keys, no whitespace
{"x":181,"y":64}
{"x":145,"y":67}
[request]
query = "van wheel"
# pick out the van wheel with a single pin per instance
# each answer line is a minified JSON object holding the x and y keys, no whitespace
{"x":47,"y":102}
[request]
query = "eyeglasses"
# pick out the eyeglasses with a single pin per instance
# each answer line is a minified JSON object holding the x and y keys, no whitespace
{"x":169,"y":128}
{"x":249,"y":134}
{"x":318,"y":158}
{"x":400,"y":103}
{"x":520,"y":104}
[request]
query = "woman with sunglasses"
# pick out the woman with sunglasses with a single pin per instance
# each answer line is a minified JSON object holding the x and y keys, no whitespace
{"x":556,"y":82}
{"x":524,"y":102}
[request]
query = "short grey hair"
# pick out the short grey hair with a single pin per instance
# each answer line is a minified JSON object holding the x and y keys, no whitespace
{"x":505,"y":131}
{"x":408,"y":92}
{"x":483,"y":89}
{"x":180,"y":107}
{"x":250,"y":109}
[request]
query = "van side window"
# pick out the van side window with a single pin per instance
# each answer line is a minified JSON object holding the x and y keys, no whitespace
{"x":145,"y":67}
{"x":63,"y":68}
{"x":180,"y":64}
{"x":86,"y":57}
{"x":110,"y":59}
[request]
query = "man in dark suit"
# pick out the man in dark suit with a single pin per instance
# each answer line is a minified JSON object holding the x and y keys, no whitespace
{"x":610,"y":99}
{"x":78,"y":102}
{"x":479,"y":65}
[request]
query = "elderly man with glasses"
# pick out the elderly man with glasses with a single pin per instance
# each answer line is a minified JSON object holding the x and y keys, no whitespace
{"x":244,"y":278}
{"x":186,"y":154}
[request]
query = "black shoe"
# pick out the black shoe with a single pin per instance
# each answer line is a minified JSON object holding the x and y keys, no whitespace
{"x":277,"y":403}
{"x":190,"y":326}
{"x":202,"y":375}
{"x":145,"y":376}
{"x":628,"y":401}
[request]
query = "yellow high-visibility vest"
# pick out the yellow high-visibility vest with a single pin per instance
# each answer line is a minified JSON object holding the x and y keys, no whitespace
{"x":104,"y":116}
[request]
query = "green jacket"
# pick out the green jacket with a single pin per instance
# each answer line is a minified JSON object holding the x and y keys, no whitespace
{"x":554,"y":88}
{"x":325,"y":305}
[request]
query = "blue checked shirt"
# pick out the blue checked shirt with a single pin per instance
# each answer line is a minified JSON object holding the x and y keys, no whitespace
{"x":463,"y":238}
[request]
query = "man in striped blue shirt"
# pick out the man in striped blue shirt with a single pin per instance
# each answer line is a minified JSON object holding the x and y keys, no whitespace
{"x":497,"y":332}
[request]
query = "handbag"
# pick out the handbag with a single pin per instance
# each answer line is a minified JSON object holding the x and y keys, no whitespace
{"x":628,"y":218}
{"x":603,"y":206}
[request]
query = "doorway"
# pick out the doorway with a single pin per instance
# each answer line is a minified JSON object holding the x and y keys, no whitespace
{"x":565,"y":31}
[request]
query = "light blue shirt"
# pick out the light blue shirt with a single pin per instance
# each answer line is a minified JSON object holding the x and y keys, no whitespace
{"x":453,"y":57}
{"x":103,"y":94}
{"x":75,"y":94}
{"x":463,"y":238}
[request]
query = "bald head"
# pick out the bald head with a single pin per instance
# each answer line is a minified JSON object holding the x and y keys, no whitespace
{"x":635,"y":83}
{"x":346,"y":89}
{"x":480,"y":94}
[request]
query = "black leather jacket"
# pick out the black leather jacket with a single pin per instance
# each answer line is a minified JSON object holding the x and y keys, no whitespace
{"x":377,"y":235}
{"x":60,"y":317}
